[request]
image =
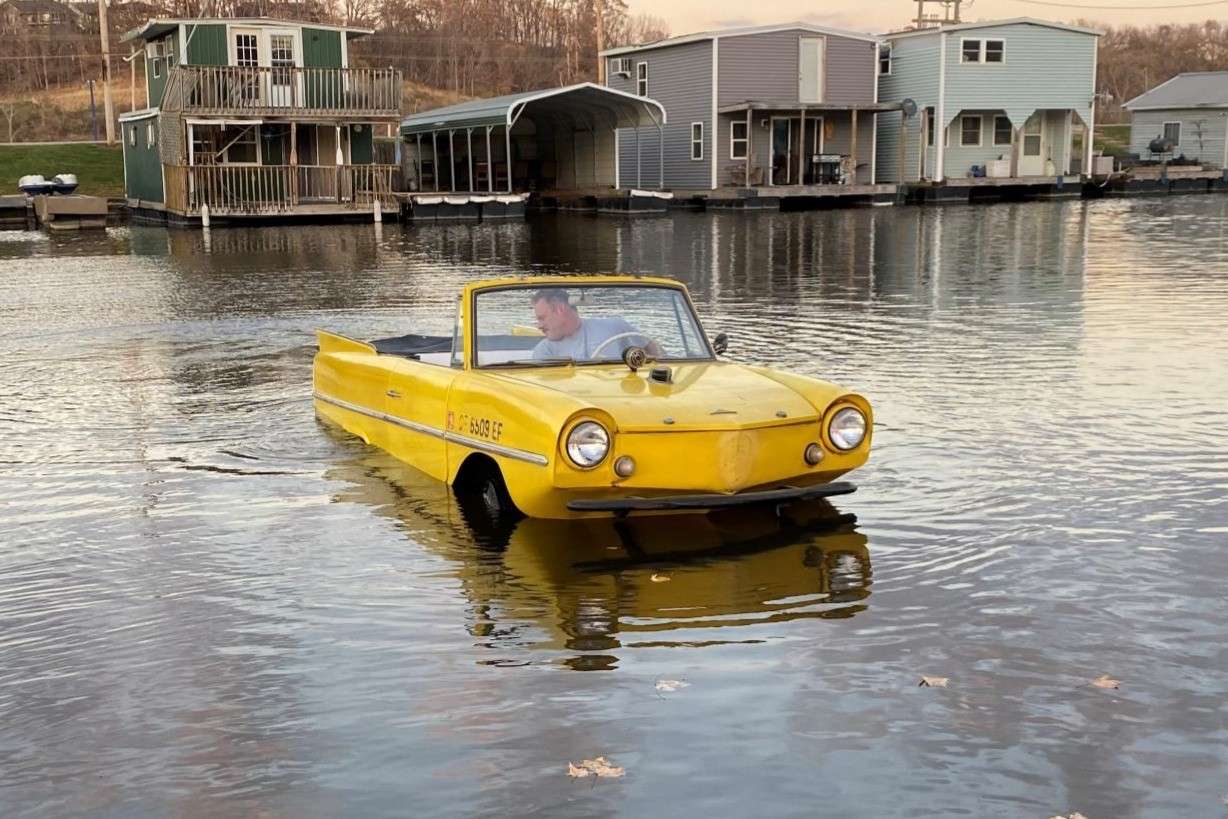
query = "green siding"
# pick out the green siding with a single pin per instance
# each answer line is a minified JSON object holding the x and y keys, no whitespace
{"x":362,"y":151}
{"x":321,"y":48}
{"x":155,"y":85}
{"x":142,"y":167}
{"x":207,"y":45}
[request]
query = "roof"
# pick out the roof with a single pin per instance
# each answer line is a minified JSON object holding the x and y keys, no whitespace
{"x":700,"y":36}
{"x":152,"y":29}
{"x":1013,"y":21}
{"x":585,"y":99}
{"x":1197,"y":89}
{"x":36,"y":5}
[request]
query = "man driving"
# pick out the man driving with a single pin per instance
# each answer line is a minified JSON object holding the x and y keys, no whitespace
{"x":568,"y":335}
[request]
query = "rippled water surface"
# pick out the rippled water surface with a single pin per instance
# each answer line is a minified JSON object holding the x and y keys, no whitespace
{"x":214,"y":604}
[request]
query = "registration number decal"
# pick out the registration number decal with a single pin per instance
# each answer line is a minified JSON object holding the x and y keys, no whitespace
{"x":476,"y":426}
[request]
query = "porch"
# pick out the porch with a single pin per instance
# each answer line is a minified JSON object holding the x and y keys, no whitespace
{"x":798,"y":149}
{"x":284,"y":91}
{"x":280,"y":190}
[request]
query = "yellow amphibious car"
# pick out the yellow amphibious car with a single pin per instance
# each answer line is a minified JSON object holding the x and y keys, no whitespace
{"x":566,"y":397}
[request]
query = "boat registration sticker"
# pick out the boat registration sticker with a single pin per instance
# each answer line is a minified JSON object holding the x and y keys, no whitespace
{"x":489,"y":429}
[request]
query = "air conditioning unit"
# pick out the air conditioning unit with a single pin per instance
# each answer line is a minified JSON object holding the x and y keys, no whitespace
{"x":620,"y":67}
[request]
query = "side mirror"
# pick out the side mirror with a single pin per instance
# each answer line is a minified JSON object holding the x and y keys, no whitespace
{"x":720,"y":344}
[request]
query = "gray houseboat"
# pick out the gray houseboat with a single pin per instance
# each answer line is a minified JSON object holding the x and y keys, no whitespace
{"x":1190,"y":112}
{"x":1012,"y":100}
{"x":784,"y":110}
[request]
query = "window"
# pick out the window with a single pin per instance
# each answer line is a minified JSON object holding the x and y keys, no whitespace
{"x":620,"y":67}
{"x":982,"y":51}
{"x":132,"y":136}
{"x":970,"y":51}
{"x":157,"y":67}
{"x":884,"y":59}
{"x":241,"y":146}
{"x":1172,"y":132}
{"x":1003,"y":133}
{"x":697,"y":140}
{"x":738,"y":141}
{"x":995,"y":51}
{"x":641,"y":79}
{"x":970,"y":131}
{"x":150,"y":135}
{"x":1032,"y":136}
{"x":929,"y":125}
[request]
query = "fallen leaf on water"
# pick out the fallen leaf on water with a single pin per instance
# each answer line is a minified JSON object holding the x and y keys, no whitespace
{"x":660,"y":578}
{"x":671,"y":685}
{"x":594,"y":767}
{"x":1105,"y":681}
{"x":933,"y":682}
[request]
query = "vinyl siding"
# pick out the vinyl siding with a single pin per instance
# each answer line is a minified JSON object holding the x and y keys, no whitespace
{"x":1147,"y":125}
{"x":960,"y":158}
{"x":142,"y":167}
{"x":680,"y":78}
{"x":914,"y":75}
{"x":207,"y":45}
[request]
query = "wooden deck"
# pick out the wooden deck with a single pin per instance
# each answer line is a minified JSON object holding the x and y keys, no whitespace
{"x":781,"y":191}
{"x":1000,"y":181}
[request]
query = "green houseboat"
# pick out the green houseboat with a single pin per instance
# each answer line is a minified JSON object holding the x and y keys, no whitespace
{"x":259,"y":119}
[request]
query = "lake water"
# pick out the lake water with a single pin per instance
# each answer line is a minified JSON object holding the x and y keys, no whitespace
{"x":214,"y":604}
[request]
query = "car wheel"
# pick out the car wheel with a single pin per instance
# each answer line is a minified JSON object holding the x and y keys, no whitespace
{"x":487,"y":506}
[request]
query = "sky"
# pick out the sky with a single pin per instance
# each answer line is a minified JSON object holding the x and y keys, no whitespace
{"x":877,"y":16}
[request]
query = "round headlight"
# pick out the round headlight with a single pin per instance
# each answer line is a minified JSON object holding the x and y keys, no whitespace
{"x":847,"y":428}
{"x":588,"y":444}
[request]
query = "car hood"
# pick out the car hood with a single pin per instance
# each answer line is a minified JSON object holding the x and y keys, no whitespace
{"x":705,"y":395}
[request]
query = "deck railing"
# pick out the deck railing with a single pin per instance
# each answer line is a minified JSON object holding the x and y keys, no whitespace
{"x":255,"y":190}
{"x":229,"y":89}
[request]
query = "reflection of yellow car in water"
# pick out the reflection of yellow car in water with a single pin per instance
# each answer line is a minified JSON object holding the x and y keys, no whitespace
{"x":590,"y":396}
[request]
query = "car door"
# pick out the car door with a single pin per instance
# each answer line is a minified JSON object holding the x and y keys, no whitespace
{"x":416,"y":401}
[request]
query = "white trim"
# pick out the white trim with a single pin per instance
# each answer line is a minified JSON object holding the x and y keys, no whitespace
{"x":940,"y":142}
{"x":716,"y":87}
{"x":700,"y":36}
{"x":135,"y":115}
{"x":993,"y":127}
{"x":1189,"y":106}
{"x":138,"y":33}
{"x":1090,"y":139}
{"x":183,"y":43}
{"x":732,"y":139}
{"x":641,"y":64}
{"x":874,"y":124}
{"x":221,"y":121}
{"x":1012,"y":21}
{"x":702,"y":135}
{"x":980,"y":50}
{"x":618,"y":148}
{"x":980,"y":130}
{"x":345,"y":49}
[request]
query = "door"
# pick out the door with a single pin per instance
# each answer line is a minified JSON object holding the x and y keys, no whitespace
{"x":810,"y":70}
{"x":283,"y":79}
{"x":795,"y":156}
{"x":782,"y":151}
{"x":245,"y":45}
{"x":417,"y":398}
{"x":1033,"y":150}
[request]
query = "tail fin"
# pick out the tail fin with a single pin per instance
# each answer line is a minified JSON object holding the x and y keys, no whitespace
{"x":334,"y":343}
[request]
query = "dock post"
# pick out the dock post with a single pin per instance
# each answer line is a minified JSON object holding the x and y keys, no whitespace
{"x":377,"y":212}
{"x":204,"y":215}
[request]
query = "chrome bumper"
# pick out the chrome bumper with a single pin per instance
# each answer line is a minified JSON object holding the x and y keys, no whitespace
{"x":786,"y":494}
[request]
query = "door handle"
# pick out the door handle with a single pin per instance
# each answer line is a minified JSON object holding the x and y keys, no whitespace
{"x":392,"y":394}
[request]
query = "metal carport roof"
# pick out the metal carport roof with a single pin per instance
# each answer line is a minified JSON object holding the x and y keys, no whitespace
{"x":583,"y":102}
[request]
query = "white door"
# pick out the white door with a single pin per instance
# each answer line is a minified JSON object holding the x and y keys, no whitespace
{"x":245,"y":53}
{"x":283,"y":59}
{"x":1032,"y":153}
{"x":810,"y":69}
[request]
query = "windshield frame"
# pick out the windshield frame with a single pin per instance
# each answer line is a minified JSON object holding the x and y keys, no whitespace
{"x":471,"y":336}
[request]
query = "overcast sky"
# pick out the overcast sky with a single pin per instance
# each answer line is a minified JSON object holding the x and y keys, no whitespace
{"x":876,"y":16}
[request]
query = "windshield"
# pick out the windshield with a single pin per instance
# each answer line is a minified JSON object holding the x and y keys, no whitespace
{"x":536,"y":326}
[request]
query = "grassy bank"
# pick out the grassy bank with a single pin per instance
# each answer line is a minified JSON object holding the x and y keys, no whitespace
{"x":1114,"y":140}
{"x":99,"y":169}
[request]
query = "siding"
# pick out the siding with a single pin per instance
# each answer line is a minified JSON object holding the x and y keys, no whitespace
{"x":1147,"y":125}
{"x":142,"y":168}
{"x":321,"y":48}
{"x":362,"y":149}
{"x":914,"y":75}
{"x":680,"y":78}
{"x":207,"y":45}
{"x":156,"y":85}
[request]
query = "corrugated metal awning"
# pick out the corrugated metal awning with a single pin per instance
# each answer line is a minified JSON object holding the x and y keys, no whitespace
{"x":583,"y":104}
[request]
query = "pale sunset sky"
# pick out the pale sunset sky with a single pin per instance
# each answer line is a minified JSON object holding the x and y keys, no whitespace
{"x":877,"y":16}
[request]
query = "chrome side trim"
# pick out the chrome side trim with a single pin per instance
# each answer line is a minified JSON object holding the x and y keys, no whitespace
{"x":472,"y":443}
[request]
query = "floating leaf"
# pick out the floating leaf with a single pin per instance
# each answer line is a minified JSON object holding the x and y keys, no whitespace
{"x":669,"y":686}
{"x":660,"y":578}
{"x":1105,"y":681}
{"x":933,"y":682}
{"x":595,"y":767}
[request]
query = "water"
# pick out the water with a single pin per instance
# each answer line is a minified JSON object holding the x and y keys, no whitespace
{"x":213,"y":604}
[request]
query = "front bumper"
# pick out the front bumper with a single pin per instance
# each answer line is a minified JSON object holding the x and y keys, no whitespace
{"x":786,"y":494}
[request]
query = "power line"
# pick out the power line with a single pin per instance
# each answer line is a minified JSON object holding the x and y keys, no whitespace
{"x":1125,"y":8}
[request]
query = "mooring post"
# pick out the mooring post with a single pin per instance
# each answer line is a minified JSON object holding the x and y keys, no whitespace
{"x":204,"y":215}
{"x":377,"y":212}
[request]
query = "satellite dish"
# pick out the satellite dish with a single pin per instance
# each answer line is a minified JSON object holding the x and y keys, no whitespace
{"x":909,"y":107}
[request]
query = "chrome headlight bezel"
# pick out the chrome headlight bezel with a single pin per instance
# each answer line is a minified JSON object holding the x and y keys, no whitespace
{"x":839,"y":435}
{"x":591,"y":434}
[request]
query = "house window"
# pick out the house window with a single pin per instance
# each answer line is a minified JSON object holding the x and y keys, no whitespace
{"x":150,"y":136}
{"x":157,"y":67}
{"x":738,"y":141}
{"x":1032,"y":136}
{"x":1003,"y":134}
{"x":697,"y":140}
{"x":929,"y":125}
{"x":641,"y":79}
{"x":884,"y":60}
{"x":132,"y":136}
{"x":982,"y":51}
{"x":970,"y":51}
{"x":970,"y":132}
{"x":620,"y":67}
{"x":995,"y":51}
{"x":1172,"y":132}
{"x":241,"y":146}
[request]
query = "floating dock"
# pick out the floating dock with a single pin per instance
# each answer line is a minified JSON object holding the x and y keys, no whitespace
{"x":71,"y":212}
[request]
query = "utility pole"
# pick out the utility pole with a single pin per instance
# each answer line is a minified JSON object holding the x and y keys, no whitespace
{"x":107,"y":108}
{"x":949,"y":16}
{"x":598,"y":7}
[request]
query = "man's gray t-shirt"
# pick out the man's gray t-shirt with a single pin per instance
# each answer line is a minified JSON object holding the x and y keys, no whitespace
{"x":579,"y":346}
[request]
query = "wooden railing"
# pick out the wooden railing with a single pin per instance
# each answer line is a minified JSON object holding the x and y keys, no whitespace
{"x":254,"y":190}
{"x":229,"y":89}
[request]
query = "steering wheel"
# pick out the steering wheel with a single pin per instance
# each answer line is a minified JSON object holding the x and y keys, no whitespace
{"x":615,"y":337}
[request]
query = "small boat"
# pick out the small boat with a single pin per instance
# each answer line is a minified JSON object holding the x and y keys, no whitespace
{"x":64,"y":183}
{"x":34,"y":185}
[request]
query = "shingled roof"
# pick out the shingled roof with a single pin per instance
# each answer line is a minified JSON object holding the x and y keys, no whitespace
{"x":1200,"y":89}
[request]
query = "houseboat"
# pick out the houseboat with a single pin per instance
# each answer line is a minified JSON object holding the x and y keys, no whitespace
{"x":257,"y":119}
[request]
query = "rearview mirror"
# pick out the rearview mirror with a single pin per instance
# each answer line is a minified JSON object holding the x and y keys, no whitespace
{"x":720,"y":344}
